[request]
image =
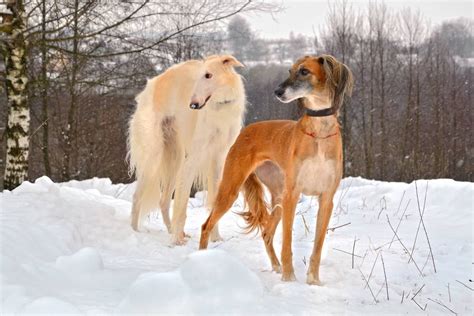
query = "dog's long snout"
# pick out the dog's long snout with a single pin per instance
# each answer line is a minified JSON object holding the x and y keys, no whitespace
{"x":279,"y":92}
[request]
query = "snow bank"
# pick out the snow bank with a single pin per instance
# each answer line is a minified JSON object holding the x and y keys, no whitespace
{"x":68,"y":249}
{"x":207,"y":282}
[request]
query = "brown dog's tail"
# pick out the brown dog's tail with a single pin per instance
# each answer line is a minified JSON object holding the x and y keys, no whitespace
{"x":257,"y":214}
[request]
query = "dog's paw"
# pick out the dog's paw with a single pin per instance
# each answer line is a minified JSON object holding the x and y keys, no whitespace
{"x":178,"y":239}
{"x":216,"y":238}
{"x":141,"y":229}
{"x":288,"y":276}
{"x":311,"y":279}
{"x":276,"y":268}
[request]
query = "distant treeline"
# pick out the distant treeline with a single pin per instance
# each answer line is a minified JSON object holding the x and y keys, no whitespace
{"x":410,"y":115}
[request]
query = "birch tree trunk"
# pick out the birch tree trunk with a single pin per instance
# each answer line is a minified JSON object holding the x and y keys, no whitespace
{"x":17,"y":131}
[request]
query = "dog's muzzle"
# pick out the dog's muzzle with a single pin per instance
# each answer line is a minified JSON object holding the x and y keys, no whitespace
{"x":197,"y":106}
{"x":279,"y":92}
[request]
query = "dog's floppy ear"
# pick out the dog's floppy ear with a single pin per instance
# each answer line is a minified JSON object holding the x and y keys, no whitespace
{"x":339,"y":79}
{"x":231,"y":61}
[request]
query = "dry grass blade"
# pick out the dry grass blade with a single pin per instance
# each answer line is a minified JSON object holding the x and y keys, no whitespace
{"x":353,"y":249}
{"x":385,"y":275}
{"x":449,"y":293}
{"x":367,"y":284}
{"x":413,"y":299}
{"x":306,"y":228}
{"x":373,"y":266}
{"x":347,"y":252}
{"x":470,"y":288}
{"x":400,"y":204}
{"x":401,"y":243}
{"x":422,"y":223}
{"x":399,"y":222}
{"x":336,"y":227}
{"x":443,"y":305}
{"x":421,"y":288}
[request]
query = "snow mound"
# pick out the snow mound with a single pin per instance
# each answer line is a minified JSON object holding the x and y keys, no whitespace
{"x":50,"y":306}
{"x":85,"y":260}
{"x":207,"y":282}
{"x":152,"y":292}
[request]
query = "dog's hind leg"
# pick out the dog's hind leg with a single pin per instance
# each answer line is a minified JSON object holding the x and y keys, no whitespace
{"x":272,"y":177}
{"x":165,"y":202}
{"x":324,"y":215}
{"x":268,"y":232}
{"x":136,"y":206}
{"x":236,"y":171}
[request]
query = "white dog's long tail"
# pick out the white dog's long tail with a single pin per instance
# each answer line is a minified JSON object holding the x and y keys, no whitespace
{"x":153,"y":152}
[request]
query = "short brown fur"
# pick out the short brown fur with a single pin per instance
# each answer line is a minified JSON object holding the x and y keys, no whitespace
{"x":290,"y":158}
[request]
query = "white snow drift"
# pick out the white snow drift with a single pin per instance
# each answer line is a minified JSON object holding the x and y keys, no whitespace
{"x":69,"y":249}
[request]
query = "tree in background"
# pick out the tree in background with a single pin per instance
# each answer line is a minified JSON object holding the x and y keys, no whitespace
{"x":239,"y":36}
{"x":13,"y":48}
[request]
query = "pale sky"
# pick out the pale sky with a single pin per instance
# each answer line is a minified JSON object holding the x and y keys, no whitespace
{"x":302,"y":16}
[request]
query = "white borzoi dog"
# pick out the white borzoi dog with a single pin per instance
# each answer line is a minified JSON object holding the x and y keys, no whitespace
{"x":172,"y":146}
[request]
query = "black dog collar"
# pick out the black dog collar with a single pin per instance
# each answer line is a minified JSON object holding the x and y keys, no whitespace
{"x":323,"y":112}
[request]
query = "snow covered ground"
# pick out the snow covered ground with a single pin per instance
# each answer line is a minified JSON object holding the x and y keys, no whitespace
{"x":68,"y":248}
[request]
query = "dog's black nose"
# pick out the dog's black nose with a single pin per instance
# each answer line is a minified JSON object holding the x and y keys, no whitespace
{"x":279,"y":92}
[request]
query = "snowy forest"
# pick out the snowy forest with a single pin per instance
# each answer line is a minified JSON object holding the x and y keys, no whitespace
{"x":83,"y":62}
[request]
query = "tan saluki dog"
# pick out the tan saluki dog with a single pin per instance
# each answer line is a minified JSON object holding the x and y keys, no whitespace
{"x":290,"y":158}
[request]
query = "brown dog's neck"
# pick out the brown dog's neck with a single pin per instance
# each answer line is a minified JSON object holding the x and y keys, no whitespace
{"x":319,"y":127}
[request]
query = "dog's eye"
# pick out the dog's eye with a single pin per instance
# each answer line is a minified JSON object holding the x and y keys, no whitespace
{"x":208,"y":75}
{"x":304,"y":71}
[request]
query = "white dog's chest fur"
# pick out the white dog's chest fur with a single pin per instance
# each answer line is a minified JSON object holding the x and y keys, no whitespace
{"x":316,"y":175}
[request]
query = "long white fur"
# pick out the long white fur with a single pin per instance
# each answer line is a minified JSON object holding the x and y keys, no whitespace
{"x":202,"y":139}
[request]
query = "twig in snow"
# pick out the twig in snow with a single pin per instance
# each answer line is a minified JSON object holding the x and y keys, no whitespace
{"x":421,"y":288}
{"x":367,"y":284}
{"x":385,"y":275}
{"x":422,"y":308}
{"x":342,"y":196}
{"x":400,"y":204}
{"x":403,"y":296}
{"x":306,"y":228}
{"x":422,"y":222}
{"x":449,"y":293}
{"x":118,"y":193}
{"x":336,"y":227}
{"x":465,"y":285}
{"x":353,"y":249}
{"x":363,"y":258}
{"x":413,"y":298}
{"x":399,"y":222}
{"x":347,"y":252}
{"x":373,"y":266}
{"x":377,"y":248}
{"x":441,"y":304}
{"x":380,"y":290}
{"x":401,"y":243}
{"x":382,"y":207}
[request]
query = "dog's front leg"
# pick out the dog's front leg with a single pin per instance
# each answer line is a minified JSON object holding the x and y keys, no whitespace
{"x":289,"y":204}
{"x":213,"y":178}
{"x":324,"y":215}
